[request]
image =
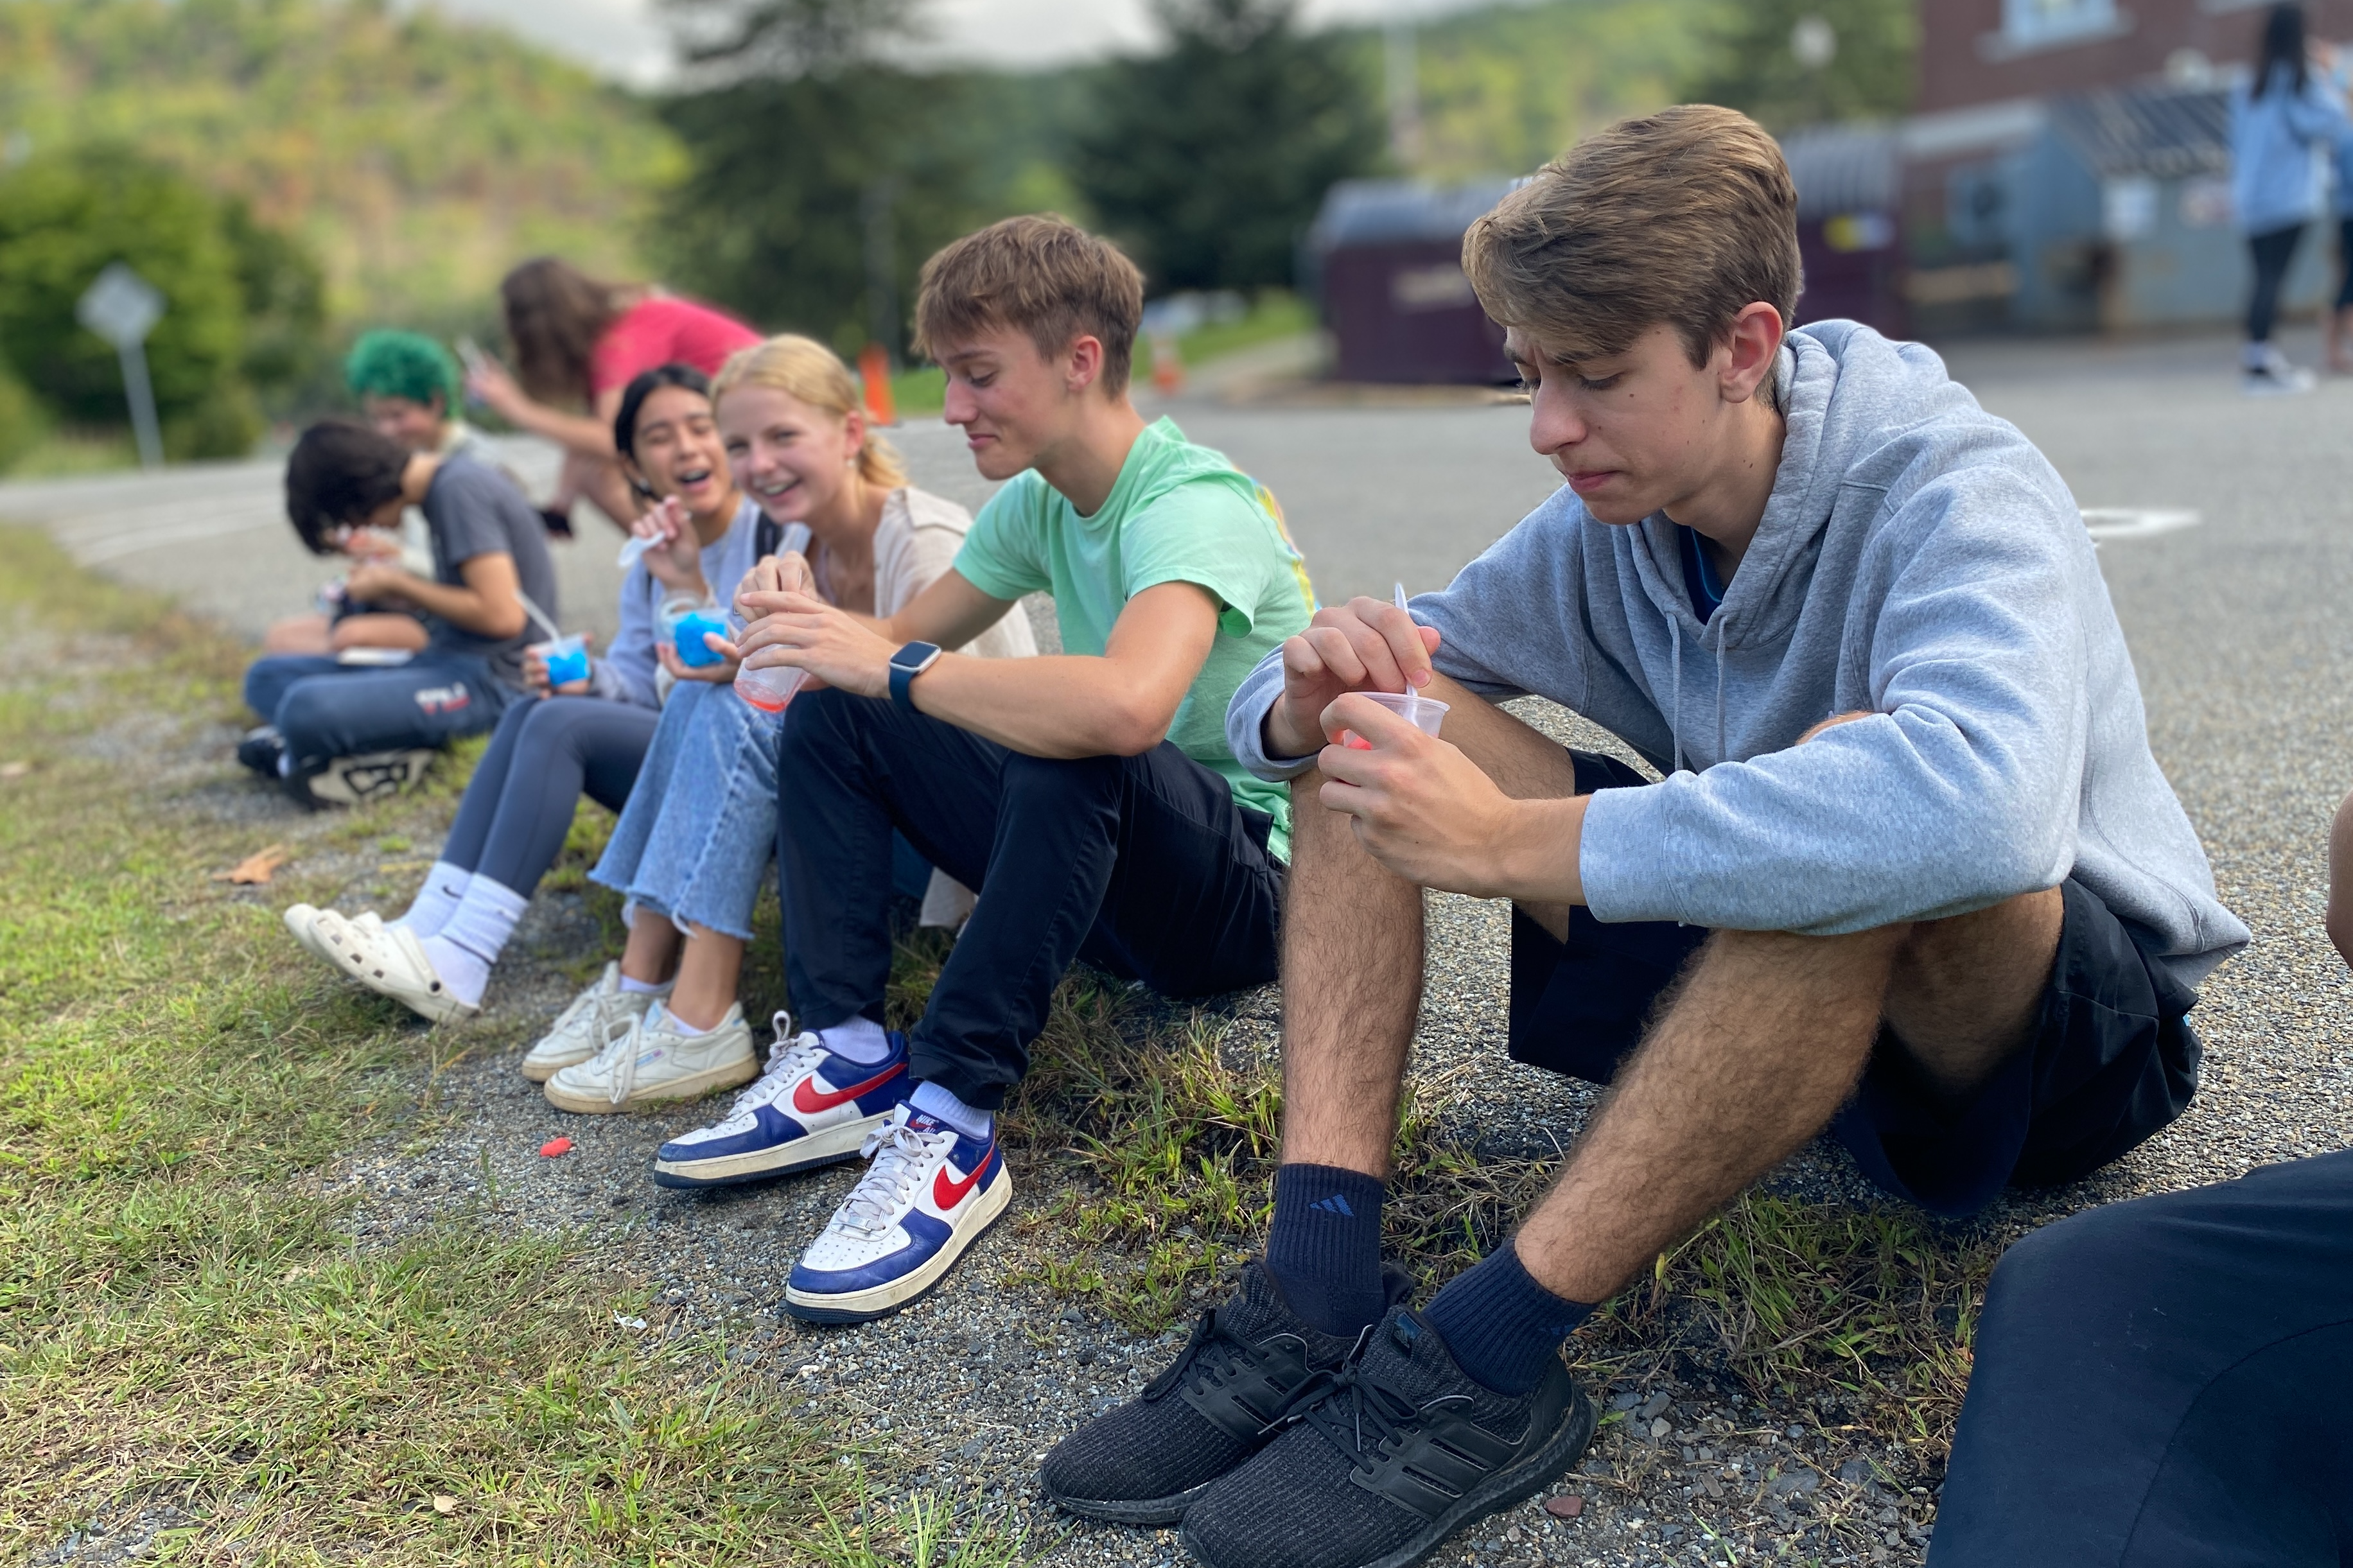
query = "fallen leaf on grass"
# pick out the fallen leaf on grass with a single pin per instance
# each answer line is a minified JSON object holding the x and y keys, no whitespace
{"x":444,"y":1503}
{"x":15,"y":770}
{"x":254,"y":871}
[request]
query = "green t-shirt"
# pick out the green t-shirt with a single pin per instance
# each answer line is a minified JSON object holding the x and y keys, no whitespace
{"x":1179,"y":513}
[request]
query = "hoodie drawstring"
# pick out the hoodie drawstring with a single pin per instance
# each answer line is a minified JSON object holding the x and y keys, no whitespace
{"x":1675,"y":708}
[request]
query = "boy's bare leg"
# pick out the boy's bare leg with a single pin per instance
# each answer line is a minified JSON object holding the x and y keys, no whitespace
{"x":1353,"y":949}
{"x":1757,"y":1050}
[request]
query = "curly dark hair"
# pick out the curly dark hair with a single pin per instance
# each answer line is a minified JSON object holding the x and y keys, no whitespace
{"x":340,"y":473}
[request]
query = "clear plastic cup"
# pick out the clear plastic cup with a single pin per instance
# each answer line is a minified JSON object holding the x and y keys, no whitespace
{"x":566,"y":658}
{"x":1424,"y":713}
{"x":769,"y":690}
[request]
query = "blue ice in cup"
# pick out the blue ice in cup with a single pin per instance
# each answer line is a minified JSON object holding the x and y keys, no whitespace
{"x":687,"y":631}
{"x":566,"y":659}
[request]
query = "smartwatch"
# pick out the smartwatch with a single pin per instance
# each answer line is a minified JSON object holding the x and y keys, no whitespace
{"x":905,"y":665}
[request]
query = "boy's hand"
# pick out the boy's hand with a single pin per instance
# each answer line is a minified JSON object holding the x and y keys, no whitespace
{"x":1421,"y":808}
{"x":378,"y":583}
{"x":1365,"y":645}
{"x":800,"y":631}
{"x":772,"y":577}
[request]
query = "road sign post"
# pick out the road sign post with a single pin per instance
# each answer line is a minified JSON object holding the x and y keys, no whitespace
{"x":122,"y":308}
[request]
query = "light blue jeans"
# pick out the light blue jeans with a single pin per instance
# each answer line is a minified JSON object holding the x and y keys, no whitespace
{"x":695,"y":839}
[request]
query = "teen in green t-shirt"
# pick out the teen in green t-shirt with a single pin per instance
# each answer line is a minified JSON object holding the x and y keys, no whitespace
{"x":1179,"y":513}
{"x":1089,"y":798}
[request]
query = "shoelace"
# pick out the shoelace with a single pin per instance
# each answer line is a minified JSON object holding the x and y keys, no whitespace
{"x":898,"y":1157}
{"x":1213,"y":1354}
{"x":1340,"y":1405}
{"x":619,"y":1055}
{"x":596,"y":1005}
{"x":789,"y":1056}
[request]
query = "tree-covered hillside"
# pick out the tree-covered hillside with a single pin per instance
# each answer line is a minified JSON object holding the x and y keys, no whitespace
{"x":418,"y":157}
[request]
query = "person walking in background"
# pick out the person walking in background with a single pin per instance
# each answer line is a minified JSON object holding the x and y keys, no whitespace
{"x":2283,"y":124}
{"x":578,"y":342}
{"x":335,"y":733}
{"x":693,"y":845}
{"x":588,"y":734}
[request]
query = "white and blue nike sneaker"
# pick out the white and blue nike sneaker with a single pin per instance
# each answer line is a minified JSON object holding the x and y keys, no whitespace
{"x":811,"y":1107}
{"x":927,"y":1195}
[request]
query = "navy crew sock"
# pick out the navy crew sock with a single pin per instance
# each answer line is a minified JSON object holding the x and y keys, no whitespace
{"x":1501,"y":1324}
{"x":1324,"y":1246}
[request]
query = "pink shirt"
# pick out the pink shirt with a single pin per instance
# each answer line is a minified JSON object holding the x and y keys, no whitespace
{"x":664,"y":330}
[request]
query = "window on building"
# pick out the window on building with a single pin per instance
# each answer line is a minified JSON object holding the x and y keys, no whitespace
{"x":2026,"y":23}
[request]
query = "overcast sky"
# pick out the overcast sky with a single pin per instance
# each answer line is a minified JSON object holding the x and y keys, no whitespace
{"x":625,"y":39}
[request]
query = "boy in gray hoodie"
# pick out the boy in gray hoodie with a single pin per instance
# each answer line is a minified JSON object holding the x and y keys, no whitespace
{"x":1911,"y":875}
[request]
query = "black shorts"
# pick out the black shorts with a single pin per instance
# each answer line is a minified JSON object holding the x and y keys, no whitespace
{"x":2112,"y":1059}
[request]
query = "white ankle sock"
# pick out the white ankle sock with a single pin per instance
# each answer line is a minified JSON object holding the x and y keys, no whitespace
{"x":465,"y":973}
{"x":463,"y":950}
{"x":641,"y":988}
{"x":679,"y":1025}
{"x":859,"y":1039}
{"x":940,"y":1105}
{"x":437,"y":900}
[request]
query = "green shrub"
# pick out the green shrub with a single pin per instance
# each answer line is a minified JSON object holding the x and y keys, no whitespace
{"x":23,"y":422}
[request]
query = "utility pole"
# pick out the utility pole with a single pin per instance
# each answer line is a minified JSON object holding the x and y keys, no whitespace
{"x":122,"y":308}
{"x":881,"y":266}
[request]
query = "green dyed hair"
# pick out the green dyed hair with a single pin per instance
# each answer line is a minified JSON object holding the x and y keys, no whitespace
{"x":385,"y":363}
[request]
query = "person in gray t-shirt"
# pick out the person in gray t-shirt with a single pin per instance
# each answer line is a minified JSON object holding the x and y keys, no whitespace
{"x":489,"y":555}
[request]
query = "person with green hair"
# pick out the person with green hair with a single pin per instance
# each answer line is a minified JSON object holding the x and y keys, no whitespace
{"x":406,"y":385}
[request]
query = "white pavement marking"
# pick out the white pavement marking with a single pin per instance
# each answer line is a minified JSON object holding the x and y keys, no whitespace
{"x":2135,"y":522}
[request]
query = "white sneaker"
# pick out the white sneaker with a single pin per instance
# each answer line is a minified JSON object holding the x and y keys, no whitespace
{"x":646,"y":1060}
{"x":928,"y":1195}
{"x":390,"y":961}
{"x":355,"y":781}
{"x":580,"y":1031}
{"x":2275,"y":375}
{"x":301,"y":923}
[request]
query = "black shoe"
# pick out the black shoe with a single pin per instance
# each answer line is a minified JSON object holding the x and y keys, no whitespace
{"x":1141,"y":1462}
{"x":1388,"y":1458}
{"x":260,"y":748}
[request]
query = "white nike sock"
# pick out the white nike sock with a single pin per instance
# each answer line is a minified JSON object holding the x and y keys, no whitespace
{"x":437,"y":900}
{"x":463,"y":951}
{"x":859,"y":1039}
{"x":942,"y":1105}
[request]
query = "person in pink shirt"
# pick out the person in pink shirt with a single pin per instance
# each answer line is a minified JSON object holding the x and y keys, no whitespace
{"x":578,"y":342}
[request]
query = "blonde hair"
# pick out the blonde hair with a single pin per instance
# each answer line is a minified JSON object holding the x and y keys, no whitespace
{"x":1041,"y":274}
{"x":807,"y":370}
{"x":1684,"y":217}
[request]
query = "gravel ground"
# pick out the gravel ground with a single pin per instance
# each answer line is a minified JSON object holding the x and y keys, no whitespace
{"x":2235,"y":627}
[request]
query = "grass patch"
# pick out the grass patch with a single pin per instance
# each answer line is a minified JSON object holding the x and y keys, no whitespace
{"x":186,"y":1335}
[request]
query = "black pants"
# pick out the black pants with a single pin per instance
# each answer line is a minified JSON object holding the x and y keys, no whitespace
{"x":2112,"y":1060}
{"x":1143,"y":866}
{"x":2166,"y":1383}
{"x":2271,"y":251}
{"x":546,"y":750}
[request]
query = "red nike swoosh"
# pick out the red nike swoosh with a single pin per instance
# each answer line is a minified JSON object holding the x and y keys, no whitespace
{"x":946,"y":1194}
{"x":809,"y":1102}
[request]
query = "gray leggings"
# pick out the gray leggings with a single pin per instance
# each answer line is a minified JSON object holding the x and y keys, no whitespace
{"x":518,"y":807}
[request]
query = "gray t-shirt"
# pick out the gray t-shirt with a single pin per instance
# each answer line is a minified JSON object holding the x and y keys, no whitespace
{"x":473,"y":509}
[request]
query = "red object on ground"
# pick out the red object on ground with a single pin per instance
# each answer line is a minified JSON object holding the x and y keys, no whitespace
{"x":554,"y":1147}
{"x":1566,"y":1506}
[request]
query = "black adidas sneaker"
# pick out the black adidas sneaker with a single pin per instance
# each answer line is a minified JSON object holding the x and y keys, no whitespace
{"x":1386,"y":1458}
{"x":1141,"y":1462}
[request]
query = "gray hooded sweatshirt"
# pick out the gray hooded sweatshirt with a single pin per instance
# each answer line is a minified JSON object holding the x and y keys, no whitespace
{"x":1918,"y":560}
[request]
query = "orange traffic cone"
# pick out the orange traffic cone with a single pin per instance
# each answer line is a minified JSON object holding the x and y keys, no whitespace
{"x":874,"y":370}
{"x":1168,"y":366}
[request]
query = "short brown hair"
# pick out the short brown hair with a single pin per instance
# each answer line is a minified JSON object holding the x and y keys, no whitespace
{"x":1684,"y":217}
{"x":1042,"y":274}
